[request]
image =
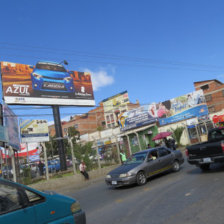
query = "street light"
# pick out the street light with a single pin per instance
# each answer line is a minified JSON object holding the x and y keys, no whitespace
{"x":64,"y":62}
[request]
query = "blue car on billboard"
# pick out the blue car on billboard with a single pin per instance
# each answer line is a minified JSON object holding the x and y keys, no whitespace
{"x":52,"y":77}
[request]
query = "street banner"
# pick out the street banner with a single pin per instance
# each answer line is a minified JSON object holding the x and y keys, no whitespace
{"x":34,"y":131}
{"x":46,"y":83}
{"x":10,"y":121}
{"x":31,"y":150}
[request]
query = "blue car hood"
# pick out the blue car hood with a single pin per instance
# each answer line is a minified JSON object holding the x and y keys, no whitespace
{"x":124,"y":168}
{"x":51,"y":74}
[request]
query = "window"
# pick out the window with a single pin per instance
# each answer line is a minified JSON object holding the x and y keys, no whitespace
{"x":112,"y":118}
{"x":76,"y":126}
{"x":208,"y":98}
{"x":222,"y":92}
{"x":163,"y":152}
{"x":108,"y":118}
{"x":205,"y":87}
{"x":10,"y":199}
{"x":32,"y":196}
{"x":211,"y":109}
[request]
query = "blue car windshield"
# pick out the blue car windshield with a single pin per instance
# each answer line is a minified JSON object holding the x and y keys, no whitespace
{"x":136,"y":158}
{"x":50,"y":67}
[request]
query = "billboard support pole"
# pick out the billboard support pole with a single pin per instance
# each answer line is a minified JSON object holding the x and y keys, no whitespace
{"x":58,"y":130}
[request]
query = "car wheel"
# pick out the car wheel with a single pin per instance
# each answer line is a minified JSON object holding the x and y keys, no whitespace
{"x":141,"y":178}
{"x":176,"y":166}
{"x":205,"y":167}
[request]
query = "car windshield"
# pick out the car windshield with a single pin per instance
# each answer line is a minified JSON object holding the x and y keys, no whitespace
{"x":136,"y":158}
{"x":51,"y":67}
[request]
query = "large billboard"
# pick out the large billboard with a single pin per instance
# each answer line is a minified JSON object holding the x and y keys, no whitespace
{"x":34,"y":131}
{"x":46,"y":83}
{"x":115,"y":102}
{"x":167,"y":112}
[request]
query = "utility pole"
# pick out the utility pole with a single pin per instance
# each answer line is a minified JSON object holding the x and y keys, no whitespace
{"x":73,"y":156}
{"x":59,"y":136}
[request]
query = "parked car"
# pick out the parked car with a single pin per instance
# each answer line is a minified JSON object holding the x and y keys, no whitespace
{"x":22,"y":204}
{"x":145,"y":164}
{"x":51,"y":77}
{"x":206,"y":153}
{"x":53,"y":166}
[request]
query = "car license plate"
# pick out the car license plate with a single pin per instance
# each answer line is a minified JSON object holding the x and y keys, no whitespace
{"x":51,"y":85}
{"x":114,"y":182}
{"x":207,"y":160}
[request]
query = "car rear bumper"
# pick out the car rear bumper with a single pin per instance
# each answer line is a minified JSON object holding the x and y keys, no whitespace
{"x":206,"y":160}
{"x":118,"y":182}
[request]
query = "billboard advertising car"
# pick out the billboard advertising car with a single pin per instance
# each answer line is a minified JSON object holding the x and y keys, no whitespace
{"x":167,"y":112}
{"x":46,"y":83}
{"x":34,"y":131}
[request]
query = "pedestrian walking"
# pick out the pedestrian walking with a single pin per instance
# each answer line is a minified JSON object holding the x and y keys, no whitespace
{"x":123,"y":156}
{"x":41,"y":168}
{"x":82,"y":168}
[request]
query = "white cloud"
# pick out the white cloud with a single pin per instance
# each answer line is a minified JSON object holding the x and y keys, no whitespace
{"x":100,"y":78}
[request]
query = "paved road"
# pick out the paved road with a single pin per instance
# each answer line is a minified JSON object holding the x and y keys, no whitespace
{"x":189,"y":196}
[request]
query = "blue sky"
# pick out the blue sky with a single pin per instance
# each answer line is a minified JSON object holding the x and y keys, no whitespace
{"x":154,"y":49}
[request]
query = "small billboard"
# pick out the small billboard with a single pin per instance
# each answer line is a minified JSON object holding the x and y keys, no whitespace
{"x":46,"y":83}
{"x":138,"y":117}
{"x":34,"y":131}
{"x":115,"y":102}
{"x":11,"y":126}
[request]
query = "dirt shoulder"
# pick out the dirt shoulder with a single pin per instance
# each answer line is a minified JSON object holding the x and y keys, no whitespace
{"x":75,"y":182}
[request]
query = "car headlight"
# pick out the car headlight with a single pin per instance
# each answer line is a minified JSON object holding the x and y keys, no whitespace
{"x":75,"y":207}
{"x":37,"y":76}
{"x":108,"y":176}
{"x":125,"y":175}
{"x":68,"y":79}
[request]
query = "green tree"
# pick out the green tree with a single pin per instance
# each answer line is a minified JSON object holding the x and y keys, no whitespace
{"x":177,"y":133}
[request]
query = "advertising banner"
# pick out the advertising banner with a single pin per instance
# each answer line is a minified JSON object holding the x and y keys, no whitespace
{"x":181,"y":108}
{"x":11,"y":125}
{"x":46,"y":83}
{"x":138,"y":117}
{"x":115,"y":102}
{"x":32,"y":150}
{"x":34,"y":131}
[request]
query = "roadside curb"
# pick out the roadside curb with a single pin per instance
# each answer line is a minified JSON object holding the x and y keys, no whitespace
{"x":75,"y":182}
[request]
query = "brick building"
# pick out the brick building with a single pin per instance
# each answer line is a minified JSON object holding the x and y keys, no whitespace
{"x":213,"y":92}
{"x":85,"y":123}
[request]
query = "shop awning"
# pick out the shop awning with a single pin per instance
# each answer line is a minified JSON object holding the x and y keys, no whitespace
{"x":132,"y":131}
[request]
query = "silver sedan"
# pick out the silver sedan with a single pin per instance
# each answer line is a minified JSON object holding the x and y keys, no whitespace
{"x":145,"y":164}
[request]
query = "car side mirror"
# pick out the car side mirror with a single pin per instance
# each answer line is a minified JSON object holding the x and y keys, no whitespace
{"x":149,"y":159}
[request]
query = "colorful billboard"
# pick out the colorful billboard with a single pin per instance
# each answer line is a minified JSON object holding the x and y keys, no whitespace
{"x":182,"y":108}
{"x":167,"y":112}
{"x":11,"y":124}
{"x":34,"y":131}
{"x":46,"y":83}
{"x":115,"y":102}
{"x":138,"y":117}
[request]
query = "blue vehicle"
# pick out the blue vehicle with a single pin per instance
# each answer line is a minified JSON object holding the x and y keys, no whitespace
{"x":23,"y":205}
{"x":52,"y":77}
{"x":53,"y":166}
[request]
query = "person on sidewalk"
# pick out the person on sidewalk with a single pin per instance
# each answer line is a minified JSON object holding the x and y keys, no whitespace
{"x":123,"y":156}
{"x":82,"y":168}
